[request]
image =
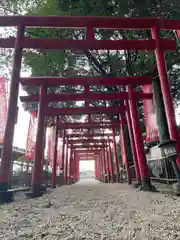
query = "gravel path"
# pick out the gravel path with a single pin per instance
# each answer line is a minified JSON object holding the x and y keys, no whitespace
{"x":92,"y":210}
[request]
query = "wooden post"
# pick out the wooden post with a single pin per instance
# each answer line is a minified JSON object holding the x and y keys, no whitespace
{"x":37,"y":176}
{"x":6,"y":156}
{"x":54,"y":170}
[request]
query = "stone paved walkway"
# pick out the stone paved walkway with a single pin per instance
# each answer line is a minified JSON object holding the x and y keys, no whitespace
{"x":92,"y":210}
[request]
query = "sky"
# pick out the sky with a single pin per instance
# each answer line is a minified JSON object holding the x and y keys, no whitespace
{"x":21,"y":128}
{"x":87,"y":165}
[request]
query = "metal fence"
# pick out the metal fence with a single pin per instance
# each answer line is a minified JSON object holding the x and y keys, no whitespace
{"x":160,"y":170}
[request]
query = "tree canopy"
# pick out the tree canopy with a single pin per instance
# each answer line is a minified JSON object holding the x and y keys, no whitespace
{"x":94,"y":63}
{"x":117,"y":63}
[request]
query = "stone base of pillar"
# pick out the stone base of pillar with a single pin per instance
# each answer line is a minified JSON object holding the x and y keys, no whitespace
{"x":113,"y":178}
{"x":176,"y":188}
{"x":36,"y":191}
{"x":146,"y":185}
{"x":137,"y":184}
{"x":6,"y":196}
{"x":53,"y":186}
{"x":101,"y":178}
{"x":116,"y":179}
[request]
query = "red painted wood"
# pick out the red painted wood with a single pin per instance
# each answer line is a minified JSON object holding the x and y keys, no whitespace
{"x":89,"y":135}
{"x":89,"y":146}
{"x":6,"y":157}
{"x":37,"y":175}
{"x":124,"y":151}
{"x":107,"y":164}
{"x":85,"y":156}
{"x":111,"y":81}
{"x":88,"y":125}
{"x":78,"y":151}
{"x":87,"y":141}
{"x":132,"y":139}
{"x":41,"y":43}
{"x":66,"y":163}
{"x":88,"y":21}
{"x":86,"y":97}
{"x":115,"y":156}
{"x":54,"y":169}
{"x":79,"y":111}
{"x":143,"y":166}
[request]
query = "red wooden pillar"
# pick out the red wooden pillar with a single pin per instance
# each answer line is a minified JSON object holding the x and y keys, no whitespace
{"x":133,"y":147}
{"x":145,"y":179}
{"x":116,"y":157}
{"x":107,"y":164}
{"x":106,"y":179}
{"x":66,"y":163}
{"x":54,"y":170}
{"x":77,"y":169}
{"x":124,"y":151}
{"x":63,"y":155}
{"x":72,"y":165}
{"x":166,"y":91}
{"x":69,"y":167}
{"x":6,"y":156}
{"x":103,"y":167}
{"x":111,"y":164}
{"x":78,"y":172}
{"x":102,"y":164}
{"x":99,"y":169}
{"x":95,"y":168}
{"x":37,"y":175}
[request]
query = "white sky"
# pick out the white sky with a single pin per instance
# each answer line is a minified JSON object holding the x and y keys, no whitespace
{"x":87,"y":165}
{"x":21,"y":128}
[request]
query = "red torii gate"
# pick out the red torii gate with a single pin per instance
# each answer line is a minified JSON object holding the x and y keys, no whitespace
{"x":87,"y":110}
{"x":103,"y":165}
{"x":65,"y":163}
{"x":156,"y":44}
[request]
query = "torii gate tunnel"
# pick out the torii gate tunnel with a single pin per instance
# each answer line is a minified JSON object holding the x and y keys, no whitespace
{"x":128,"y":113}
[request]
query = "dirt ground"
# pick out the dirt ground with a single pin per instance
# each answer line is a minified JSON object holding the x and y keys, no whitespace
{"x":92,"y":210}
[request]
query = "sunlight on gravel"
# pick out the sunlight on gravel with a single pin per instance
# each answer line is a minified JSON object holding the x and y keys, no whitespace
{"x":92,"y":210}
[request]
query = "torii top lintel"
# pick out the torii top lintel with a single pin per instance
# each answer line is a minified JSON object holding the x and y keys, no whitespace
{"x":112,"y":124}
{"x":87,"y":21}
{"x":86,"y":97}
{"x":86,"y":135}
{"x":85,"y":110}
{"x":112,"y":81}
